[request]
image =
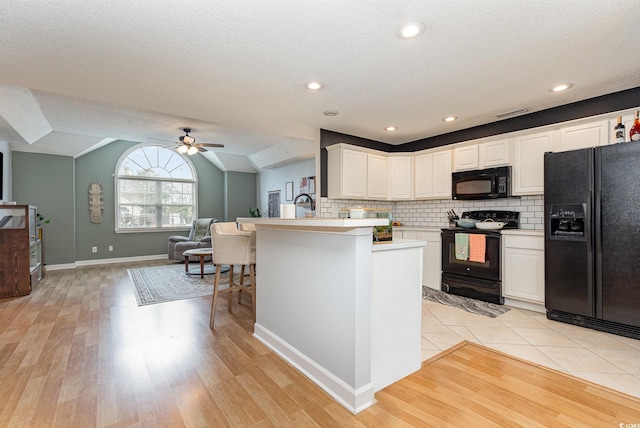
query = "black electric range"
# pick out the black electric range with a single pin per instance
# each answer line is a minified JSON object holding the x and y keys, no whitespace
{"x":476,"y":278}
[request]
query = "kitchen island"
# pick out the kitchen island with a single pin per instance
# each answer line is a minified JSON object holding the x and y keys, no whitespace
{"x":344,"y":311}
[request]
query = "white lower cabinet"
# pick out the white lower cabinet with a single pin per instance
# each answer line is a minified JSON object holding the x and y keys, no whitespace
{"x":523,"y":267}
{"x":432,"y":263}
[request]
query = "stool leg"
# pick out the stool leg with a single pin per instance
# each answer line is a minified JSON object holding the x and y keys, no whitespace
{"x":215,"y":296}
{"x":230,"y":293}
{"x":241,"y":283}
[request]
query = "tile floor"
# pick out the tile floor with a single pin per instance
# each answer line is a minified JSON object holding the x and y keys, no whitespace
{"x":602,"y":358}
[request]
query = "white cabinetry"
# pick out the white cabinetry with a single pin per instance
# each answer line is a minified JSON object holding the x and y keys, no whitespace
{"x":465,"y":158}
{"x":528,"y":165}
{"x":376,"y":176}
{"x":494,"y":153}
{"x":432,"y":263}
{"x":400,"y":177}
{"x":346,"y":173}
{"x":355,"y":174}
{"x":484,"y":155}
{"x":523,"y":262}
{"x":583,"y":136}
{"x":432,"y":173}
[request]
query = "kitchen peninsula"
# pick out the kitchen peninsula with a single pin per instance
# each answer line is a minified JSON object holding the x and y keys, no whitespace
{"x":344,"y":311}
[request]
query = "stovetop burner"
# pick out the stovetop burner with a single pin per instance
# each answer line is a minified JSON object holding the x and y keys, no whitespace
{"x":510,"y":218}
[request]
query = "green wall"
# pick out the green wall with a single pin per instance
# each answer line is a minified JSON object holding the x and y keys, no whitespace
{"x":46,"y":181}
{"x":59,"y":186}
{"x":241,"y":193}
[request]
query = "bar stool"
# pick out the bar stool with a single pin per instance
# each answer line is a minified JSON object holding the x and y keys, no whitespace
{"x":232,"y":247}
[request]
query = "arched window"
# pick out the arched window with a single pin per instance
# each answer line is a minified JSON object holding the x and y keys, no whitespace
{"x":155,"y":189}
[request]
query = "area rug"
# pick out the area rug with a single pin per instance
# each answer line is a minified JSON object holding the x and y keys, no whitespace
{"x":160,"y":284}
{"x":470,"y":305}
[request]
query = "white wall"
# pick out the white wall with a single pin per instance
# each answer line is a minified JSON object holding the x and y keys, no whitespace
{"x":276,"y":179}
{"x":6,"y":171}
{"x":433,"y":213}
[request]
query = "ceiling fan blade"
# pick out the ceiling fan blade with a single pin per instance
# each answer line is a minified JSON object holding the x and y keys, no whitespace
{"x":210,"y":145}
{"x":202,"y":149}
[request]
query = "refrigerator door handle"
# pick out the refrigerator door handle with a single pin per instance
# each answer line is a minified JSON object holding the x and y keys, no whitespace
{"x":589,"y":225}
{"x":597,"y":234}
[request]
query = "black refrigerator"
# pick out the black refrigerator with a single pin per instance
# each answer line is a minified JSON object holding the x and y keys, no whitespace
{"x":592,"y":238}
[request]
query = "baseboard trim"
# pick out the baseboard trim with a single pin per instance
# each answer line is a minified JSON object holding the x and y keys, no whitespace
{"x":355,"y":400}
{"x":81,"y":263}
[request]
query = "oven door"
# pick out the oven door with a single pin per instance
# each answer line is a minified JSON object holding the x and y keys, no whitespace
{"x":489,"y":270}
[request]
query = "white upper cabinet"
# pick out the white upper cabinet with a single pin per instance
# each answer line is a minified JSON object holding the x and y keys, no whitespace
{"x":400,"y":177}
{"x":465,"y":158}
{"x":356,"y":174}
{"x":528,"y":165}
{"x":583,"y":136}
{"x":483,"y":155}
{"x":376,"y":176}
{"x":494,"y":153}
{"x":432,"y":175}
{"x":346,"y":173}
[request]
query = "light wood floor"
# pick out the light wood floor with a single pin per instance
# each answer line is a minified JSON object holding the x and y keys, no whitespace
{"x":79,"y":352}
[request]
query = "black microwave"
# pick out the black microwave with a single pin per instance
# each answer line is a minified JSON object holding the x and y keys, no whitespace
{"x":492,"y":183}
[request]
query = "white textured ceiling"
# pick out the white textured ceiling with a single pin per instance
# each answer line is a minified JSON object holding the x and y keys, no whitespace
{"x":234,"y":70}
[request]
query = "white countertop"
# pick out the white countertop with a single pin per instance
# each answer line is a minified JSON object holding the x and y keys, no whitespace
{"x":316,"y":222}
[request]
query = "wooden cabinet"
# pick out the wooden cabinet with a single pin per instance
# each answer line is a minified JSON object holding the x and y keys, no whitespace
{"x":346,"y":173}
{"x":480,"y":156}
{"x":466,"y":158}
{"x":432,"y":255}
{"x":523,"y":274}
{"x":376,"y":176}
{"x":356,"y":174}
{"x":432,"y":175}
{"x":400,"y":177}
{"x":494,"y":153}
{"x":21,"y":263}
{"x":583,"y":136}
{"x":528,"y":165}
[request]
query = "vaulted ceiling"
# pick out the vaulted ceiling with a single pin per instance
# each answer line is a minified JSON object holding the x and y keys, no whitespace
{"x":75,"y":75}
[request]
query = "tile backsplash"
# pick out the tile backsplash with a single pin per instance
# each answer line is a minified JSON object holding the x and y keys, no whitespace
{"x":433,"y":213}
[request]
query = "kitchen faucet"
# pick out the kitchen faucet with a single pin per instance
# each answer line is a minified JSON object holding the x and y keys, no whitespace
{"x":312,"y":203}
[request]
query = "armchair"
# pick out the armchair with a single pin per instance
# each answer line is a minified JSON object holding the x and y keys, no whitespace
{"x":199,"y":237}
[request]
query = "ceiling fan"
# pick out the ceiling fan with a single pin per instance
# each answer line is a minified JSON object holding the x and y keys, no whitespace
{"x":189,"y":146}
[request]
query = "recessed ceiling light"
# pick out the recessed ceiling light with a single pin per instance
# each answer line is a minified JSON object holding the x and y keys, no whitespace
{"x":450,"y":118}
{"x":390,"y":128}
{"x":562,"y":87}
{"x":410,"y":30}
{"x":314,"y":86}
{"x":330,"y":112}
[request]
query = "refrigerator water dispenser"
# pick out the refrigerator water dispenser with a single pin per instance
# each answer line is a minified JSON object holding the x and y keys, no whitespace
{"x":567,"y":221}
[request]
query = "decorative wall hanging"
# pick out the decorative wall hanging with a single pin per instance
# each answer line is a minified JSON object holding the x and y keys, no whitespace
{"x":96,"y":202}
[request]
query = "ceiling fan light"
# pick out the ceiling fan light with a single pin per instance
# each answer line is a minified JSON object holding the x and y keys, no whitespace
{"x":192,"y":151}
{"x":188,"y":139}
{"x":182,"y":149}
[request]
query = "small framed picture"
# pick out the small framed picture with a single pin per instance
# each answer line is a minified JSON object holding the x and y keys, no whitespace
{"x":312,"y":184}
{"x":304,"y":185}
{"x":289,"y":190}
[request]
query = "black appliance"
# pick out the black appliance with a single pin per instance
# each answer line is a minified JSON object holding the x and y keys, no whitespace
{"x":592,"y":238}
{"x":492,"y":183}
{"x":475,"y":279}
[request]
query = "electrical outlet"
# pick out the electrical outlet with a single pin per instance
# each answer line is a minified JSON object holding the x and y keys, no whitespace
{"x":110,"y":247}
{"x":94,"y":249}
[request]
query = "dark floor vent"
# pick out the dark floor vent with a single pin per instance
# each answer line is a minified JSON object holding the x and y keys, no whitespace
{"x":595,"y":324}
